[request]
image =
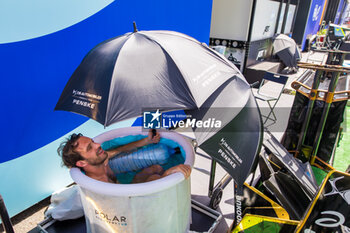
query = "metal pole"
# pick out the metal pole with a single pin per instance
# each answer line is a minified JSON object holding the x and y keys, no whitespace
{"x":285,"y":17}
{"x":225,"y":180}
{"x":312,"y":99}
{"x":212,"y":177}
{"x":295,"y":16}
{"x":250,"y":32}
{"x":278,"y":16}
{"x":335,"y":58}
{"x":330,"y":58}
{"x":333,"y":10}
{"x":5,"y":218}
{"x":341,"y":13}
{"x":326,"y":107}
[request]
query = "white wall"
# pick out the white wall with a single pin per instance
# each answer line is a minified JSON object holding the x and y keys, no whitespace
{"x":230,"y":19}
{"x":290,"y":16}
{"x":265,"y":16}
{"x":289,"y":22}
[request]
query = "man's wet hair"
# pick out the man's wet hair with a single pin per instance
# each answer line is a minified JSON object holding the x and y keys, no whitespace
{"x":67,"y":151}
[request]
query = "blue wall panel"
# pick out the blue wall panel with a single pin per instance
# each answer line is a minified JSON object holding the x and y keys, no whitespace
{"x":313,"y":21}
{"x":341,"y":7}
{"x":34,"y":67}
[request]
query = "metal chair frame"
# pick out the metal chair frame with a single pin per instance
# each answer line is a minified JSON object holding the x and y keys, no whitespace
{"x":260,"y":95}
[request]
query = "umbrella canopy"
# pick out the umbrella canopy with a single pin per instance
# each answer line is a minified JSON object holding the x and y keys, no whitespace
{"x":165,"y":70}
{"x":235,"y":144}
{"x":153,"y":69}
{"x":286,"y":49}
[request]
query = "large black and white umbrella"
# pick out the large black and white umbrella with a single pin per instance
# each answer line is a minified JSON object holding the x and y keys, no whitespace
{"x":166,"y":70}
{"x":154,"y":69}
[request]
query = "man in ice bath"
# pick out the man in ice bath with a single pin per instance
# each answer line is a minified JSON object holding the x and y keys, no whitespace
{"x":82,"y":152}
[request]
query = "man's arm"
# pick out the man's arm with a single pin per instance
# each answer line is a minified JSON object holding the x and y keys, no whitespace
{"x":134,"y":145}
{"x":183,"y":168}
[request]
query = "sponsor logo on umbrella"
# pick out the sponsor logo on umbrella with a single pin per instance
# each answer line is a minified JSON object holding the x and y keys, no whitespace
{"x":85,"y":99}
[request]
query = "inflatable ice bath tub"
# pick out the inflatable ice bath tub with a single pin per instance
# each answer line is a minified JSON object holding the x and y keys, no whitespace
{"x":162,"y":205}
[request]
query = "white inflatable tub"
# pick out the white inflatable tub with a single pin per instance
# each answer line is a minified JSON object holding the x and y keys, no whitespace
{"x":162,"y":205}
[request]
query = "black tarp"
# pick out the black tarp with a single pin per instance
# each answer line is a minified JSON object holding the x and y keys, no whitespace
{"x":329,"y":135}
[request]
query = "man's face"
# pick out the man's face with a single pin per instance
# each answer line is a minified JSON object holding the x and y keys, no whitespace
{"x":91,"y":151}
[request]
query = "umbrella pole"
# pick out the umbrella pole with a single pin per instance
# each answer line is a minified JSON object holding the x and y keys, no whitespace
{"x":312,"y":98}
{"x":135,"y":27}
{"x":212,"y":177}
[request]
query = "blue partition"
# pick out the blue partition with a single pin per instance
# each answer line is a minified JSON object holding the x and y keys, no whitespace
{"x":41,"y":44}
{"x":313,"y":20}
{"x":340,"y":11}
